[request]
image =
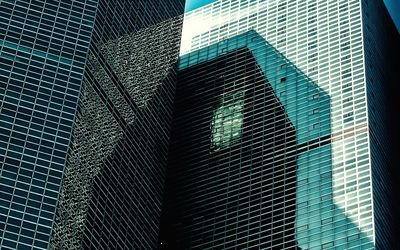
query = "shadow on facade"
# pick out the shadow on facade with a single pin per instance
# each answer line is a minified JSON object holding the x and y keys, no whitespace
{"x":125,"y":203}
{"x":238,"y":180}
{"x":113,"y":183}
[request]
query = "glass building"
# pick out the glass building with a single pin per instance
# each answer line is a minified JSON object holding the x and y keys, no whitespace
{"x":113,"y":184}
{"x":317,"y":173}
{"x":43,"y":48}
{"x":86,"y":96}
{"x":258,"y":124}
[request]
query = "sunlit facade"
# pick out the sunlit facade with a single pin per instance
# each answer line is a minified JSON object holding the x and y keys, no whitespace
{"x":313,"y":54}
{"x":258,"y":124}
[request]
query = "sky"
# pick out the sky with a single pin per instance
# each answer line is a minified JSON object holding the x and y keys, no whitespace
{"x":392,"y":5}
{"x":194,"y":4}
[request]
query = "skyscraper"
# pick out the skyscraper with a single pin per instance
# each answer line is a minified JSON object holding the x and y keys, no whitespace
{"x":94,"y":79}
{"x":272,"y":127}
{"x":113,"y":186}
{"x":43,"y":52}
{"x":292,"y":145}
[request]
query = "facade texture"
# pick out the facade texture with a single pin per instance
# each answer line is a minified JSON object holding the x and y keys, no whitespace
{"x":113,"y":186}
{"x":281,"y":113}
{"x":318,"y":57}
{"x":231,"y":185}
{"x":86,"y":100}
{"x":381,"y":43}
{"x":43,"y":48}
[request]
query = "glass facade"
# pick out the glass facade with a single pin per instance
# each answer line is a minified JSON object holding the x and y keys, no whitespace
{"x":264,"y":124}
{"x":227,"y":120}
{"x":43,"y":48}
{"x":381,"y":45}
{"x":238,"y":191}
{"x":86,"y":90}
{"x":113,"y":184}
{"x":313,"y":55}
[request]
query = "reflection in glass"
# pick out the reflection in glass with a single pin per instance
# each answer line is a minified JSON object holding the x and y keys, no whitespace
{"x":228,"y":120}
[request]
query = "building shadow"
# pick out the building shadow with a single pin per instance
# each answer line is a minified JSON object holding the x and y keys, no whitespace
{"x":250,"y":161}
{"x":125,"y":202}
